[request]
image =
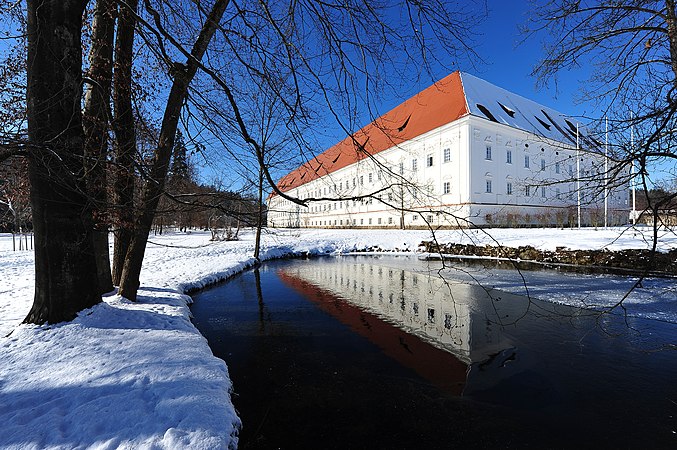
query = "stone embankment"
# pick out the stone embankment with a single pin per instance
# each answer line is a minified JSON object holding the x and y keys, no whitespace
{"x":630,"y":261}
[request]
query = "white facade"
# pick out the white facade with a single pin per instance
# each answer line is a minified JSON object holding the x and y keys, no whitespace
{"x":484,"y":169}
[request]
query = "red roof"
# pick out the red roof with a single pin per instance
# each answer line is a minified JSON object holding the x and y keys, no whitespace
{"x":437,"y":105}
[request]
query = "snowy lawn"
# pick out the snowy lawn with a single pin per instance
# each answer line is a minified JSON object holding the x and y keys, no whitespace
{"x":139,"y":375}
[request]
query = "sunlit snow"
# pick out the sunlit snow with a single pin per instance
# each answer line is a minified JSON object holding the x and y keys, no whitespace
{"x":139,"y":375}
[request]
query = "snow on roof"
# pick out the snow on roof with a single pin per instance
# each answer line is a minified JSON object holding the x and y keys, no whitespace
{"x":455,"y":96}
{"x":498,"y":105}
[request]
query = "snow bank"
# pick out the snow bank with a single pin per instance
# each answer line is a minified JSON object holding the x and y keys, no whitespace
{"x":139,"y":375}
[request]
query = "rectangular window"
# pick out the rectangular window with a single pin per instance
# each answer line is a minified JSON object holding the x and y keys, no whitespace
{"x":527,"y":191}
{"x":430,"y":218}
{"x":370,"y":221}
{"x":543,"y":191}
{"x":390,"y":220}
{"x":378,"y":176}
{"x":508,"y":156}
{"x":542,"y":164}
{"x":571,"y":170}
{"x":414,"y":165}
{"x":371,"y":177}
{"x":488,"y":187}
{"x":446,"y":187}
{"x":429,"y":160}
{"x":508,"y":188}
{"x":354,"y":182}
{"x":488,"y":153}
{"x":379,"y":221}
{"x":526,"y":161}
{"x":361,"y":180}
{"x":557,"y":170}
{"x":401,"y":168}
{"x":446,"y":155}
{"x":414,"y":193}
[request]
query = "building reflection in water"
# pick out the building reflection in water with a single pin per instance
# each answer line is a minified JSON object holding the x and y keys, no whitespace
{"x":444,"y":331}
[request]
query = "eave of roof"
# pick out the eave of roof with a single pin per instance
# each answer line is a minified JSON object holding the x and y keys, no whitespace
{"x":437,"y":105}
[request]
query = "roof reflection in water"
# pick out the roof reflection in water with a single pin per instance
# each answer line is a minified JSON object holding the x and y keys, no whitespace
{"x":437,"y":328}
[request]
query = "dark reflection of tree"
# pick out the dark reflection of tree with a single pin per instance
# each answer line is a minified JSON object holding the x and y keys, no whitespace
{"x":259,"y":297}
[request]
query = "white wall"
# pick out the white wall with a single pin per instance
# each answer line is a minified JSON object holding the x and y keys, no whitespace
{"x":419,"y":187}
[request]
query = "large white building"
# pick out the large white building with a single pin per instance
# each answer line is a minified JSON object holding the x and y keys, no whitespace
{"x":461,"y":152}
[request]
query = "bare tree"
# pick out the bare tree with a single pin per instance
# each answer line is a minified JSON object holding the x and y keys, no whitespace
{"x":183,"y":75}
{"x":631,"y":49}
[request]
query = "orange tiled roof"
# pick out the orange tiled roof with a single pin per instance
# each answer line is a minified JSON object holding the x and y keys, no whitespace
{"x":437,"y":105}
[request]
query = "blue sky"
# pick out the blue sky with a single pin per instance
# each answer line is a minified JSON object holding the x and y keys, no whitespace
{"x":509,"y":65}
{"x":503,"y":63}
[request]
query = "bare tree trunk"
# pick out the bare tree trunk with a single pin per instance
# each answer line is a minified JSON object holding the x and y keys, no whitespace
{"x":96,"y":125}
{"x":65,"y":268}
{"x":150,"y":197}
{"x":259,"y":218}
{"x":671,"y":22}
{"x":125,"y":137}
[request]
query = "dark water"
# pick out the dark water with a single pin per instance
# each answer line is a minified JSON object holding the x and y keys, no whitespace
{"x":367,"y":352}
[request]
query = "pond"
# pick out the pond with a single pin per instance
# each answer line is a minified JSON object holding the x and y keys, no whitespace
{"x":383,"y":352}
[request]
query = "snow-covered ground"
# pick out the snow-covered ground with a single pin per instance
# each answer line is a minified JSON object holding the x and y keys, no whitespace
{"x":139,"y":375}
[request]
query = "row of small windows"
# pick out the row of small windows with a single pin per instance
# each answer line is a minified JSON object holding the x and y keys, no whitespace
{"x":527,"y":161}
{"x":430,"y":218}
{"x":446,"y":189}
{"x":348,"y":222}
{"x":429,"y":160}
{"x":529,"y":191}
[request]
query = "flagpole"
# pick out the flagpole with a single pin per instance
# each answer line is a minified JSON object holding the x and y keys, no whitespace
{"x":632,"y":170}
{"x":578,"y":176}
{"x":606,"y":171}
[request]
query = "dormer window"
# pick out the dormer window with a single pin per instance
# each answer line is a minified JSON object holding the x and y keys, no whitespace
{"x":486,"y":112}
{"x":543,"y":124}
{"x":507,"y":110}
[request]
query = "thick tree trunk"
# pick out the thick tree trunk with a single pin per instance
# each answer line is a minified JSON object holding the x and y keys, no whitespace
{"x":65,"y":269}
{"x":95,"y":122}
{"x":154,"y":187}
{"x":125,"y":137}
